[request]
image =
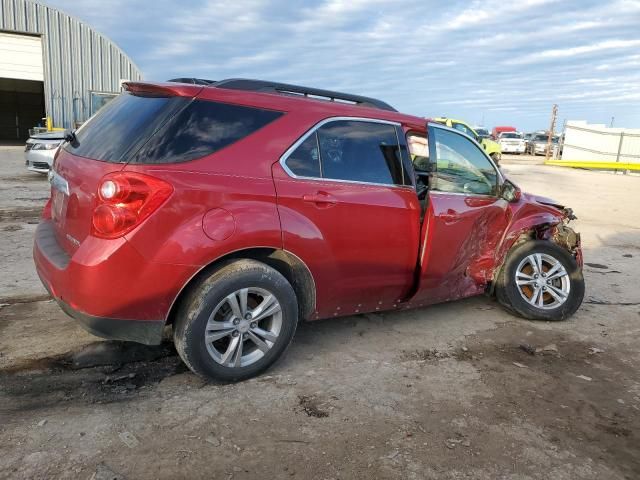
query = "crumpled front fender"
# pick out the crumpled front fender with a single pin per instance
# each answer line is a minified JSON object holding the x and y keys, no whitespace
{"x":547,"y":222}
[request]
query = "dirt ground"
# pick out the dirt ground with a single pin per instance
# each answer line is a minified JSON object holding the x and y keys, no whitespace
{"x":461,"y":390}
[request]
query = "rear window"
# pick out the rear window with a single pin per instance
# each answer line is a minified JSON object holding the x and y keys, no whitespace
{"x":142,"y":129}
{"x":122,"y":126}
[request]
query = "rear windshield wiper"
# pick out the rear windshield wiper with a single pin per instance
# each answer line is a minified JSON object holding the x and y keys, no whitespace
{"x":70,"y":136}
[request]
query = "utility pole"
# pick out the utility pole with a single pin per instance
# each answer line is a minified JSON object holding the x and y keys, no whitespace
{"x":552,"y":129}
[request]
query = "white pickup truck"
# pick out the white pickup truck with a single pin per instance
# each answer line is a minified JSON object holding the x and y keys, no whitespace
{"x":512,"y":142}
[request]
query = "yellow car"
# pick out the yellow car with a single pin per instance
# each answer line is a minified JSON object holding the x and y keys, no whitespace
{"x":492,"y":148}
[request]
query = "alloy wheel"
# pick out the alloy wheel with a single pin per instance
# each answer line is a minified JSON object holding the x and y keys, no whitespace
{"x":243,"y":327}
{"x":543,"y":281}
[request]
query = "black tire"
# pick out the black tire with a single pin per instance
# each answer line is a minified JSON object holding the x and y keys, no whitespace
{"x":509,"y":293}
{"x":193,"y":315}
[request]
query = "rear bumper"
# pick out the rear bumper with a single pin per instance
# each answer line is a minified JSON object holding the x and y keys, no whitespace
{"x":107,"y":286}
{"x":148,"y":332}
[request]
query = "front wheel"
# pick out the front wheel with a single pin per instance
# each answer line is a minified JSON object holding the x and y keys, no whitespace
{"x":540,"y":281}
{"x":236,"y":323}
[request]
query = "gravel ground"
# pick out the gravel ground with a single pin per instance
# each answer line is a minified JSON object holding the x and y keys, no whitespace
{"x":460,"y":390}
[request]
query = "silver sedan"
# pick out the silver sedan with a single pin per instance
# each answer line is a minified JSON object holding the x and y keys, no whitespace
{"x":40,"y":150}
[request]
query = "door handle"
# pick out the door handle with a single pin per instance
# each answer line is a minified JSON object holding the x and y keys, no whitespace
{"x":320,"y":198}
{"x":450,"y":215}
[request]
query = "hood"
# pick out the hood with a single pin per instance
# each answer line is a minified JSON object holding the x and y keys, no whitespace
{"x":549,"y":202}
{"x":48,"y":136}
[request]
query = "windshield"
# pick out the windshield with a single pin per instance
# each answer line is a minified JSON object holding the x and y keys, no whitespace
{"x":511,"y":135}
{"x":482,"y":132}
{"x":542,"y":138}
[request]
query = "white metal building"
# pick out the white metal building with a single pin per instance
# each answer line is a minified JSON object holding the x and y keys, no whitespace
{"x":53,"y":65}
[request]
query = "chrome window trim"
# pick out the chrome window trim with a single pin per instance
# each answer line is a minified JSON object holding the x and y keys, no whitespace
{"x":314,"y":129}
{"x":500,"y":177}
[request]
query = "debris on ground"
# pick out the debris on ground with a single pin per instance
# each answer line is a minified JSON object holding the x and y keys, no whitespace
{"x":596,"y":265}
{"x":110,"y":379}
{"x":129,"y":439}
{"x":525,"y":347}
{"x":594,"y":350}
{"x":213,"y":441}
{"x":519,"y":365}
{"x":104,"y":472}
{"x":551,"y":348}
{"x":584,"y":377}
{"x":312,"y":407}
{"x":426,"y":355}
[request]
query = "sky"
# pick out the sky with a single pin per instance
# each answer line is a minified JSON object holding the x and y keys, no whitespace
{"x":490,"y":62}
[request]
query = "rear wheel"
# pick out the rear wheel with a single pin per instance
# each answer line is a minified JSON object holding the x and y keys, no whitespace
{"x":237,"y":322}
{"x":540,"y":281}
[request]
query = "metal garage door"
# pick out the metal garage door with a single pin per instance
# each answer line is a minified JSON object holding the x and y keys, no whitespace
{"x":20,"y":57}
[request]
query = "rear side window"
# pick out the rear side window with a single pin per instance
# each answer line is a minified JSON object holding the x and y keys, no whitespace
{"x":305,"y":160}
{"x":201,"y":128}
{"x":150,"y":129}
{"x":352,"y":150}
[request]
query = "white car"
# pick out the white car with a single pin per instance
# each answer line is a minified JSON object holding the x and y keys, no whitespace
{"x":40,"y":150}
{"x":512,"y":142}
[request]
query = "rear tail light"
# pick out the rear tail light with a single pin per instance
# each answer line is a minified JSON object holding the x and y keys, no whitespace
{"x":124,"y":200}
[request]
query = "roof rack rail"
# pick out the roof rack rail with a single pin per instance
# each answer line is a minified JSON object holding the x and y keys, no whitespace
{"x":194,"y":81}
{"x":297,"y":90}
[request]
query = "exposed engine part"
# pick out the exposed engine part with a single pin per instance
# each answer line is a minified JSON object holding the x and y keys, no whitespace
{"x":568,"y":212}
{"x":566,"y":237}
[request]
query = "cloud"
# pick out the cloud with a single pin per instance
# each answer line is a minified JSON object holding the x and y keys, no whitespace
{"x":574,"y":51}
{"x":506,"y":62}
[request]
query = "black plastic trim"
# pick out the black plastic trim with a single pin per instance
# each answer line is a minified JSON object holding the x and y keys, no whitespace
{"x":148,"y":332}
{"x":288,"y":89}
{"x":192,"y":81}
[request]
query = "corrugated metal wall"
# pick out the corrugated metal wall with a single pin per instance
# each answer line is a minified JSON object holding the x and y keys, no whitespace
{"x":77,"y":59}
{"x":583,"y":141}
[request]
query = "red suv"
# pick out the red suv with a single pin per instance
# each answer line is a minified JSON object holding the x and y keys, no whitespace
{"x":232,"y":210}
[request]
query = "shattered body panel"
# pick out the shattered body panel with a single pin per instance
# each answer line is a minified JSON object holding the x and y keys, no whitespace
{"x":466,"y":240}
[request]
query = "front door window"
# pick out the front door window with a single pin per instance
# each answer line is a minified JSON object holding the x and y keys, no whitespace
{"x":461,"y":167}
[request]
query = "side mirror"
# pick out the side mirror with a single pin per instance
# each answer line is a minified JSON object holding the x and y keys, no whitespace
{"x":510,"y":192}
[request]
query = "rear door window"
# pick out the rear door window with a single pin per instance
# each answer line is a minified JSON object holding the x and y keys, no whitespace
{"x":360,"y":151}
{"x":352,"y":150}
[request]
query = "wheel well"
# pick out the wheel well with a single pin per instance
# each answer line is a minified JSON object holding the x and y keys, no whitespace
{"x":288,"y":264}
{"x":559,"y":234}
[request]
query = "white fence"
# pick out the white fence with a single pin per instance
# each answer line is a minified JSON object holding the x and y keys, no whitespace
{"x":599,"y":143}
